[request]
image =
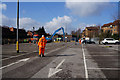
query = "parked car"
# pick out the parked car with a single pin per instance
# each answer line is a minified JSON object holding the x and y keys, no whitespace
{"x":84,"y":39}
{"x":110,"y":41}
{"x":88,"y":42}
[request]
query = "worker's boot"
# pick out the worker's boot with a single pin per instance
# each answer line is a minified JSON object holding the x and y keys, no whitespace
{"x":42,"y":55}
{"x":39,"y":55}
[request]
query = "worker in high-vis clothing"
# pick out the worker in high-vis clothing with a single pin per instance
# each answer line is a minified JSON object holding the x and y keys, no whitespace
{"x":80,"y":41}
{"x":41,"y":44}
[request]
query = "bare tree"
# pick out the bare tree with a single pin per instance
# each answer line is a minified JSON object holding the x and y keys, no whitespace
{"x":115,"y":15}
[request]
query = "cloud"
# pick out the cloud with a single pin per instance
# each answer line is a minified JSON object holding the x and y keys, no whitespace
{"x":85,"y":8}
{"x":6,"y":21}
{"x":82,"y":26}
{"x":3,"y":6}
{"x":29,"y":23}
{"x":57,"y":23}
{"x":26,"y":23}
{"x":92,"y":0}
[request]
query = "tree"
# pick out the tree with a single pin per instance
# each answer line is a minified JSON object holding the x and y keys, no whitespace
{"x":103,"y":35}
{"x":115,"y":36}
{"x":76,"y":33}
{"x":41,"y":31}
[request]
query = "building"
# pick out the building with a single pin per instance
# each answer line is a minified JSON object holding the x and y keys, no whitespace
{"x":11,"y":29}
{"x":91,"y":32}
{"x":29,"y":33}
{"x":112,"y":27}
{"x":9,"y":34}
{"x":83,"y":34}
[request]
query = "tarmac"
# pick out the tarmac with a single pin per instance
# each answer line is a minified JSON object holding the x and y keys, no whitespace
{"x":62,"y":60}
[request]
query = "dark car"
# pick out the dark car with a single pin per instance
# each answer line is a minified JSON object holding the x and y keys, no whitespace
{"x":88,"y":42}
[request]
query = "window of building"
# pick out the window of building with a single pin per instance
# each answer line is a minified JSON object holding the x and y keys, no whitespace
{"x":110,"y":26}
{"x":114,"y":29}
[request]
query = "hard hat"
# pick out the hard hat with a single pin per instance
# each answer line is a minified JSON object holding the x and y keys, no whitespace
{"x":42,"y":35}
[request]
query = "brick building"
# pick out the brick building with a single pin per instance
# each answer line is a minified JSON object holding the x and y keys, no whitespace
{"x":112,"y":27}
{"x":91,"y":32}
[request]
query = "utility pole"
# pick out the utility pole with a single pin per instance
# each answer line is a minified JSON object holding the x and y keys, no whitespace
{"x":17,"y":43}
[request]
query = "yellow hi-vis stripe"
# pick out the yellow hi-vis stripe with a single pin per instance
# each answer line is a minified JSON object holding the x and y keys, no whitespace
{"x":17,"y":48}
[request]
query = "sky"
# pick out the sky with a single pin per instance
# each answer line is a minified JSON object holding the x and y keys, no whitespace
{"x":53,"y":15}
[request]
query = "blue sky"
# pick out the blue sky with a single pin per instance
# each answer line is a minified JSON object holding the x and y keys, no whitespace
{"x":52,"y":15}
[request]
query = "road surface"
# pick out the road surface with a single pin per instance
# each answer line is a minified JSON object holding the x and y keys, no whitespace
{"x":62,"y":60}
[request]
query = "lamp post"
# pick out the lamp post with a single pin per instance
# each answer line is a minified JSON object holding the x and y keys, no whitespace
{"x":17,"y":42}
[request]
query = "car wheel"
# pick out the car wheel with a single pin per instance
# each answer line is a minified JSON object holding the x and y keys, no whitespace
{"x":117,"y":43}
{"x":106,"y":42}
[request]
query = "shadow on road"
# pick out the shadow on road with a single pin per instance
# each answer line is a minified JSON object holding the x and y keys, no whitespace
{"x":60,"y":55}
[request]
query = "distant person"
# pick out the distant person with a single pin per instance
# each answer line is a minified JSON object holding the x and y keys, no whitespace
{"x":42,"y":42}
{"x":84,"y":41}
{"x":80,"y":41}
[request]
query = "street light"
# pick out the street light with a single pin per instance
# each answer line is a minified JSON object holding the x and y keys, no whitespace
{"x":17,"y":42}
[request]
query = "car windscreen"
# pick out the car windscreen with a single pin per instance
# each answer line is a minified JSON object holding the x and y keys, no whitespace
{"x":110,"y":39}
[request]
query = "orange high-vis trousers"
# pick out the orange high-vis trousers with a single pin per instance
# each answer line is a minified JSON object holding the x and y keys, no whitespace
{"x":41,"y":50}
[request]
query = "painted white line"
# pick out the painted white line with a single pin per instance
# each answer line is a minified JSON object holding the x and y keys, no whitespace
{"x":22,"y":60}
{"x":106,"y":68}
{"x":101,"y":55}
{"x":101,"y":52}
{"x":60,"y":64}
{"x":86,"y":71}
{"x":15,"y":56}
{"x":35,"y":51}
{"x":29,"y":53}
{"x":53,"y":71}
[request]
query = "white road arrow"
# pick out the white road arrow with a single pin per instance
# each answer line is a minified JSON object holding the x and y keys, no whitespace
{"x":53,"y":71}
{"x":22,"y":60}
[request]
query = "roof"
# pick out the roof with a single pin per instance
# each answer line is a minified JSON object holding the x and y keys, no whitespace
{"x":107,"y":25}
{"x":92,"y":28}
{"x":116,"y":22}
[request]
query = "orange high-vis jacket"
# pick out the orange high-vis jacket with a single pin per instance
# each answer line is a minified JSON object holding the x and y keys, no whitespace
{"x":42,"y":42}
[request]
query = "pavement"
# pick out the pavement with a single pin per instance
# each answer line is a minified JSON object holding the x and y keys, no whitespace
{"x":61,"y":61}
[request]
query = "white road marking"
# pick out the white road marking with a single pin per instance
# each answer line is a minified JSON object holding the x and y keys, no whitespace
{"x":35,"y":51}
{"x":22,"y":60}
{"x":86,"y":71}
{"x":15,"y":56}
{"x":106,"y":68}
{"x":53,"y":71}
{"x":101,"y":52}
{"x":102,"y":55}
{"x":29,"y":53}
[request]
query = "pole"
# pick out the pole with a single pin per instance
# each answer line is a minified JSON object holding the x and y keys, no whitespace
{"x":66,"y":32}
{"x":17,"y":43}
{"x":119,"y":19}
{"x":33,"y":35}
